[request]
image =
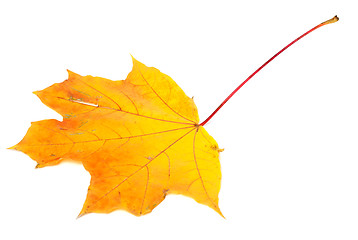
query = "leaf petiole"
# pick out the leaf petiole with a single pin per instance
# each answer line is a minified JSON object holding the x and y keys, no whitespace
{"x":332,"y":20}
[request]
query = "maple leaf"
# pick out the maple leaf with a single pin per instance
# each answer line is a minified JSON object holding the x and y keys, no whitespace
{"x":139,"y":138}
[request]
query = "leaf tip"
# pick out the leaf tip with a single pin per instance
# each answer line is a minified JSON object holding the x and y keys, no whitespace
{"x":83,"y":212}
{"x":217,"y":209}
{"x":39,"y":166}
{"x":12,"y":148}
{"x":134,"y":61}
{"x":80,"y":215}
{"x":72,"y":75}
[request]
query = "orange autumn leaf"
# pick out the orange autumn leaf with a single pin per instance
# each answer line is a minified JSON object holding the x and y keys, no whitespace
{"x":139,"y":138}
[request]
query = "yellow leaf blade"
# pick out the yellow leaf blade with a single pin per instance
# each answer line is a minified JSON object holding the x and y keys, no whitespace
{"x":138,"y":138}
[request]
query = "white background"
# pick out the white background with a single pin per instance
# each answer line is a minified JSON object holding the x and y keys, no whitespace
{"x":290,"y":165}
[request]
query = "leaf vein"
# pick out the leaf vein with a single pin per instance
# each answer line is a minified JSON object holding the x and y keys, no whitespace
{"x":164,"y":101}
